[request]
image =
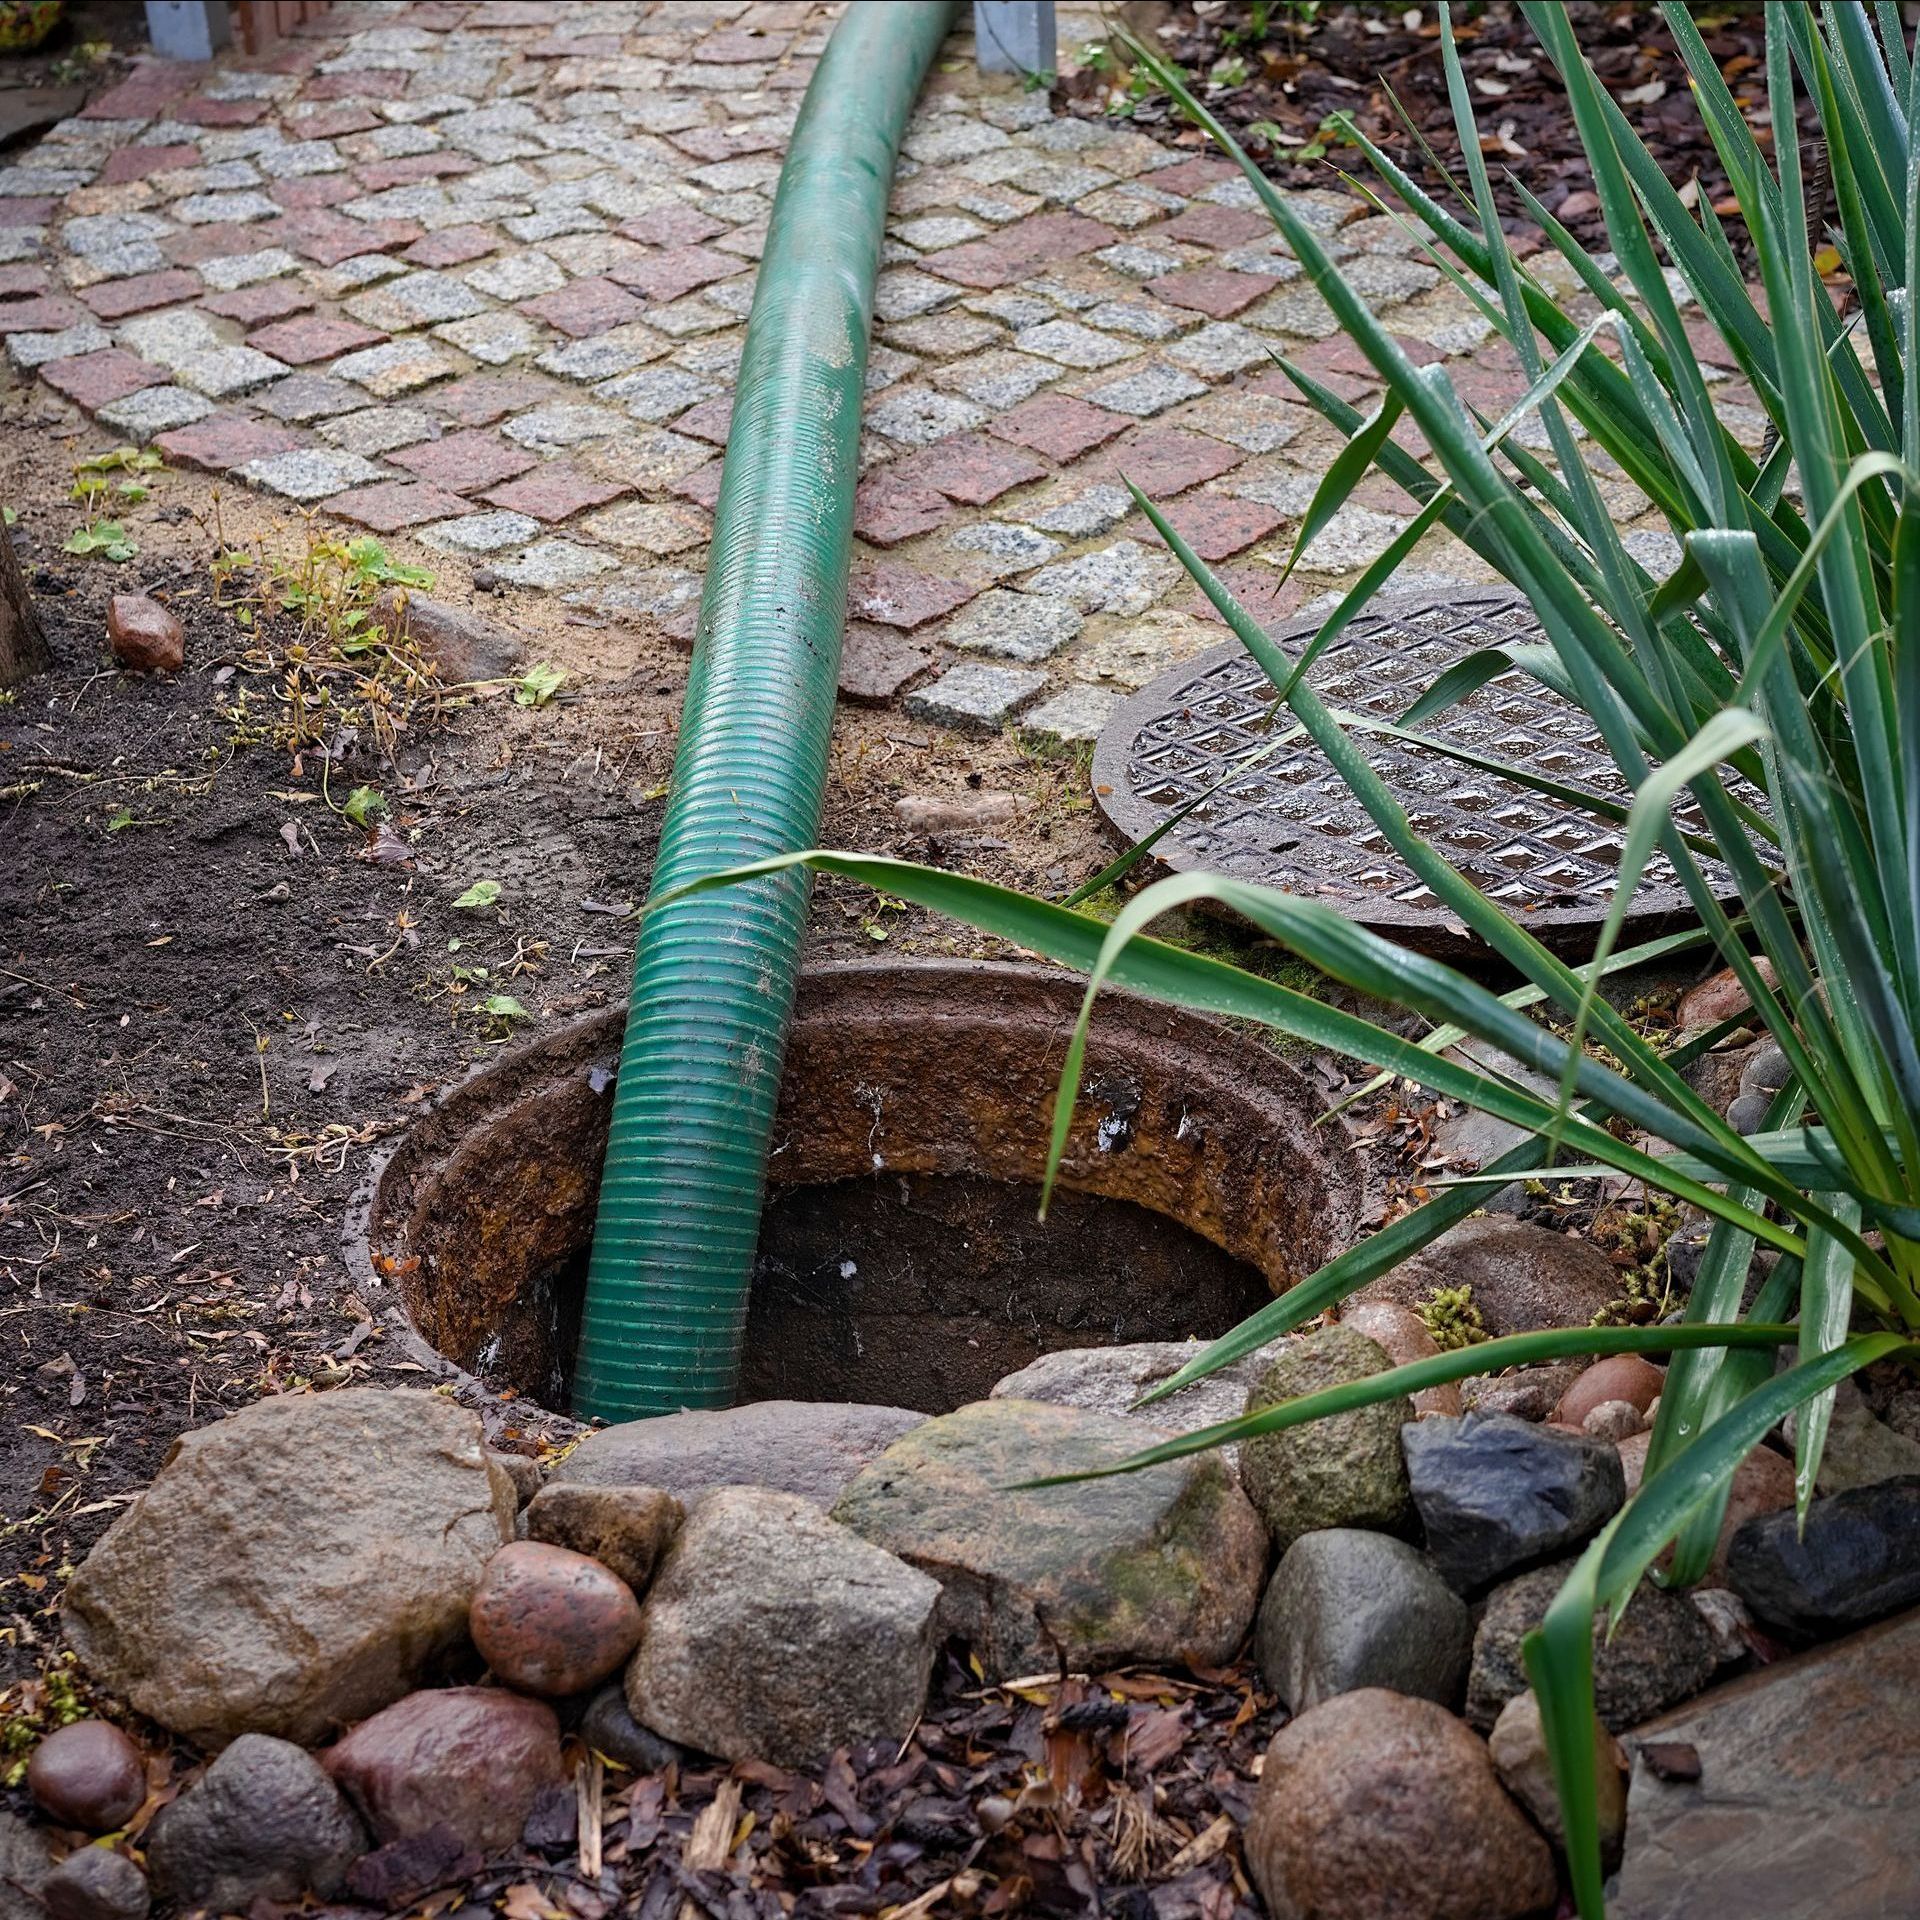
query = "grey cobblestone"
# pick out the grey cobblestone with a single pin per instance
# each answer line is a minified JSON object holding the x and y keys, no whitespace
{"x":976,"y":695}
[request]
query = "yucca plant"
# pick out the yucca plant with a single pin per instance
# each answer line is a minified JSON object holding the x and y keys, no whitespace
{"x":1774,"y":677}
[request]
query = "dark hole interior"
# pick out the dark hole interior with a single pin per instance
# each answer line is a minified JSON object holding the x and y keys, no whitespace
{"x":922,"y":1290}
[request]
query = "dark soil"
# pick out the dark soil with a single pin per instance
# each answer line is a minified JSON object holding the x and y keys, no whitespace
{"x":1310,"y":63}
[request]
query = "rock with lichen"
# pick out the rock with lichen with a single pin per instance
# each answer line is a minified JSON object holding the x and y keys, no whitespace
{"x":1162,"y":1565}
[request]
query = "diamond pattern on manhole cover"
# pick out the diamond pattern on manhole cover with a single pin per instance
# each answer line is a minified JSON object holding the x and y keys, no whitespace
{"x":1291,"y":822}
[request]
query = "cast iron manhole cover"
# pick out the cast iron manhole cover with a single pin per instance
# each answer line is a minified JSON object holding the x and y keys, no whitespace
{"x":1290,"y":821}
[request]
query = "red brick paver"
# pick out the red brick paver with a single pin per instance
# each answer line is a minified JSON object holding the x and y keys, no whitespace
{"x":555,"y":492}
{"x":224,"y":440}
{"x":252,"y":306}
{"x":115,"y":299}
{"x":466,"y":462}
{"x":310,"y":337}
{"x":1217,"y":528}
{"x":1015,"y":251}
{"x":680,"y":226}
{"x":583,"y":308}
{"x":1162,"y":461}
{"x":680,"y":270}
{"x":897,"y":596}
{"x":96,"y":380}
{"x":888,"y":508}
{"x":1058,"y":426}
{"x":452,"y":247}
{"x":1215,"y":291}
{"x":390,"y":505}
{"x":971,"y":469}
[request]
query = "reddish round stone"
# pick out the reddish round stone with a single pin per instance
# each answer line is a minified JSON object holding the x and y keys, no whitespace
{"x":88,"y":1775}
{"x":551,"y":1620}
{"x":1621,"y":1376}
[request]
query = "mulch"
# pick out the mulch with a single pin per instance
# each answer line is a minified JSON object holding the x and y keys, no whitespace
{"x":1122,"y":1796}
{"x":1310,"y":63}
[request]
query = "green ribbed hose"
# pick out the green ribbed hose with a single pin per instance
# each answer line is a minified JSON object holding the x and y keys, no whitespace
{"x":713,"y":979}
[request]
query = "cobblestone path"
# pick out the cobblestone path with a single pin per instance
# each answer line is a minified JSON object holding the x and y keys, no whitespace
{"x":479,"y":274}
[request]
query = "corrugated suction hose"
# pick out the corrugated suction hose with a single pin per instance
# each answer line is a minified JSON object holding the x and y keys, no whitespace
{"x":713,"y":979}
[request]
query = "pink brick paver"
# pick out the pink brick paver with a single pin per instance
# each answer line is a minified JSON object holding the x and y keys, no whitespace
{"x":252,"y":306}
{"x":555,"y":492}
{"x":889,"y":508}
{"x":666,"y":276}
{"x":300,"y":342}
{"x":895,"y":595}
{"x":466,"y":462}
{"x":1166,"y":460}
{"x":389,"y":505}
{"x":224,"y":440}
{"x":115,"y":299}
{"x":1016,"y":250}
{"x":1215,"y":291}
{"x":1216,"y":528}
{"x":96,"y":380}
{"x":143,"y":163}
{"x":585,"y":308}
{"x":672,"y":227}
{"x":1058,"y":426}
{"x":972,"y":469}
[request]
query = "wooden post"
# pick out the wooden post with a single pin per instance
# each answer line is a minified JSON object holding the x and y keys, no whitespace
{"x":23,"y":642}
{"x":1014,"y":36}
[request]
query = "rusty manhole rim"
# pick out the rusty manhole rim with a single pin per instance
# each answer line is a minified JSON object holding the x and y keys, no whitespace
{"x":589,"y":1043}
{"x":1228,"y":673}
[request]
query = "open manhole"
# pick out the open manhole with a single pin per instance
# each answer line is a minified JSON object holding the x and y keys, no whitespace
{"x":900,"y":1261}
{"x":1291,"y":822}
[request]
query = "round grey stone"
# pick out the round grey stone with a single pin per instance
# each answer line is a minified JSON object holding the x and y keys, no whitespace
{"x":1661,"y":1653}
{"x":95,"y":1883}
{"x":1350,"y":1609}
{"x":774,"y":1633}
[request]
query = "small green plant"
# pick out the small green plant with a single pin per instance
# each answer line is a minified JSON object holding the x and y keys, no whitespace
{"x":483,"y":893}
{"x":108,"y":538}
{"x":537,"y":686}
{"x":35,"y":1708}
{"x":364,"y":806}
{"x":121,"y":460}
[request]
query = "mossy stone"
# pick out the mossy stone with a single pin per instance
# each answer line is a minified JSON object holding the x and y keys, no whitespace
{"x":1344,"y":1471}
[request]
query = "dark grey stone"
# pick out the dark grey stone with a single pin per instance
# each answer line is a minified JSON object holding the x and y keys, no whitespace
{"x":96,"y":1883}
{"x":1497,"y":1493}
{"x":1661,"y":1653}
{"x":1351,"y":1609}
{"x":25,"y":1862}
{"x":1858,"y":1560}
{"x":264,"y":1821}
{"x":610,"y":1729}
